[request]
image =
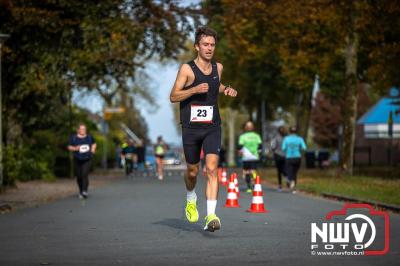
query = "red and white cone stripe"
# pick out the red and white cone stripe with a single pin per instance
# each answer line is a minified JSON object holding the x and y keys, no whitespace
{"x":257,"y":202}
{"x":236,"y":186}
{"x":231,"y":199}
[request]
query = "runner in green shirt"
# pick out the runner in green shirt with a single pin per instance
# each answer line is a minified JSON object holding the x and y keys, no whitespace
{"x":250,"y":146}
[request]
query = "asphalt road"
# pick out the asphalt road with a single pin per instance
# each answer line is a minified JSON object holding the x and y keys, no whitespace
{"x":140,"y":221}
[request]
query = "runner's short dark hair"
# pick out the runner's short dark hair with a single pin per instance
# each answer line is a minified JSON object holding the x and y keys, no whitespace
{"x":204,"y":31}
{"x":282,"y":130}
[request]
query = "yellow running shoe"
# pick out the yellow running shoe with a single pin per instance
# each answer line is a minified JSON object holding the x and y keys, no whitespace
{"x":191,"y":211}
{"x":212,"y":223}
{"x":254,"y":174}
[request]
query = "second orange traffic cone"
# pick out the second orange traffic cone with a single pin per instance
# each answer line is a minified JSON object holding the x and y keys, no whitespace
{"x":231,"y":199}
{"x":257,"y":203}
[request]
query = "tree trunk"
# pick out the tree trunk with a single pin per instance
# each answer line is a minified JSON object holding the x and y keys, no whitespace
{"x":231,"y":116}
{"x":306,"y":117}
{"x":263,"y":126}
{"x":299,"y":110}
{"x":70,"y":125}
{"x":349,"y":108}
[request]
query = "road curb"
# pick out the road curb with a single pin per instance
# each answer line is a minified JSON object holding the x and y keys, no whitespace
{"x":390,"y":207}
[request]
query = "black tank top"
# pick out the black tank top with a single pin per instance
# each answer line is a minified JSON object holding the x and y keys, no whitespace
{"x":205,"y":99}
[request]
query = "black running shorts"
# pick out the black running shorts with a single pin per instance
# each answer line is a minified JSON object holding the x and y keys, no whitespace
{"x":195,"y":138}
{"x":250,"y":165}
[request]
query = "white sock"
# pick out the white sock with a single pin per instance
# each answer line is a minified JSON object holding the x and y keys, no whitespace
{"x":191,"y":195}
{"x":211,"y":205}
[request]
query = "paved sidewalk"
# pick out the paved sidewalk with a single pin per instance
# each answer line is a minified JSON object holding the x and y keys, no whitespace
{"x":37,"y":192}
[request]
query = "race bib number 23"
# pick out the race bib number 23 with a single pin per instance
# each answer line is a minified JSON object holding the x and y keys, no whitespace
{"x":201,"y":113}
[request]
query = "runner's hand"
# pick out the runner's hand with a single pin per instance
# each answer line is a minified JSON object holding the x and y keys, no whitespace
{"x":201,"y":88}
{"x":230,"y":92}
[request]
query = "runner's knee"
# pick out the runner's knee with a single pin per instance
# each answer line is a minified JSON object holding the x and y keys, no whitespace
{"x":192,"y":172}
{"x":211,"y":170}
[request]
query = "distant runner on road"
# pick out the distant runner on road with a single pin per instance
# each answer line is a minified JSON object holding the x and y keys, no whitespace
{"x":196,"y":88}
{"x":141,"y":154}
{"x":292,"y":146}
{"x":83,"y":147}
{"x":128,"y":156}
{"x":250,"y":147}
{"x":279,"y":156}
{"x":160,"y":148}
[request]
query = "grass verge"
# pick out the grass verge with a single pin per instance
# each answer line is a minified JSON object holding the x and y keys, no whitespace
{"x":384,"y":190}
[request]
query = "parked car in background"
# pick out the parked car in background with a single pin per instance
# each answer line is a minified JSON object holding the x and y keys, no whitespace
{"x":172,"y":158}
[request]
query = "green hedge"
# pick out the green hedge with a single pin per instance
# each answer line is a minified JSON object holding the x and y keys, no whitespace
{"x":24,"y":164}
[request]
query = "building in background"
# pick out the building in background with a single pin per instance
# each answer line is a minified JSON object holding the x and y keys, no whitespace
{"x":378,"y":133}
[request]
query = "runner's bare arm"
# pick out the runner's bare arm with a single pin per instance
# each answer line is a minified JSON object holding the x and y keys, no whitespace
{"x":220,"y":67}
{"x":222,"y":88}
{"x":94,"y":146}
{"x":178,"y":94}
{"x":73,"y":148}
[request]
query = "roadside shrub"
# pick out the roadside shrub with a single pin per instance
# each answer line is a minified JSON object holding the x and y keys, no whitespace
{"x":24,"y":164}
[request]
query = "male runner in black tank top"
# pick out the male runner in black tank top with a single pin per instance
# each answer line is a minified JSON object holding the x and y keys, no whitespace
{"x":196,"y":88}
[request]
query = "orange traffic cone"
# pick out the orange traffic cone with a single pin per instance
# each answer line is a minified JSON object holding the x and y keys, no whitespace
{"x":231,"y":199}
{"x":257,"y":203}
{"x":224,"y":180}
{"x":235,"y":180}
